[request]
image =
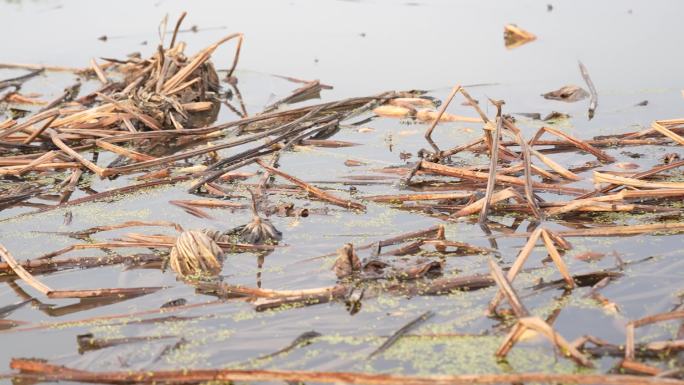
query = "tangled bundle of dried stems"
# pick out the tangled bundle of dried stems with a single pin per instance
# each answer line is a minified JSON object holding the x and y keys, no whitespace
{"x":170,"y":90}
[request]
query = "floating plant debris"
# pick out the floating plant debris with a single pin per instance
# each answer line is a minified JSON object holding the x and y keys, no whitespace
{"x":282,"y":209}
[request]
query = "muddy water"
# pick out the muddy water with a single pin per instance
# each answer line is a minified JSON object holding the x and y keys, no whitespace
{"x":632,"y":50}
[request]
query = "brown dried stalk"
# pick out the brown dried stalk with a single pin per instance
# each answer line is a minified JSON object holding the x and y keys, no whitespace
{"x":225,"y":290}
{"x":505,"y":286}
{"x":632,"y":325}
{"x":593,"y":101}
{"x":528,"y":167}
{"x":36,"y":368}
{"x":549,"y":239}
{"x":555,"y":256}
{"x":564,"y":172}
{"x":50,"y":293}
{"x":638,"y":367}
{"x":315,"y":191}
{"x":478,"y":205}
{"x":641,"y":175}
{"x":493,"y":164}
{"x":517,"y":266}
{"x":659,"y":126}
{"x":600,"y":177}
{"x":538,"y":325}
{"x":399,"y":333}
{"x":609,"y":231}
{"x":503,"y":179}
{"x":75,"y":155}
{"x":442,"y":109}
{"x":417,"y":197}
{"x":582,"y":145}
{"x":41,"y":266}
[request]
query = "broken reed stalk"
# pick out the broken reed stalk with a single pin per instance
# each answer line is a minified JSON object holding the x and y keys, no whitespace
{"x":632,"y":325}
{"x":442,"y":109}
{"x":540,"y":326}
{"x":660,"y":127}
{"x":417,"y":197}
{"x":564,"y":172}
{"x":580,"y":144}
{"x":507,"y":289}
{"x":600,"y":177}
{"x":51,"y":293}
{"x":35,"y":368}
{"x":126,"y":318}
{"x":493,"y":164}
{"x":314,"y":191}
{"x":528,"y":167}
{"x":92,"y":230}
{"x":420,"y":234}
{"x":478,"y":206}
{"x":516,"y":267}
{"x":557,"y":259}
{"x":41,"y":266}
{"x":654,"y":171}
{"x":549,"y":238}
{"x":593,"y":101}
{"x":461,"y":173}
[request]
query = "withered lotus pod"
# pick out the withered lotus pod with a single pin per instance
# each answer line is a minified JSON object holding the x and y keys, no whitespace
{"x":260,"y":231}
{"x":347,"y":261}
{"x":195,"y":254}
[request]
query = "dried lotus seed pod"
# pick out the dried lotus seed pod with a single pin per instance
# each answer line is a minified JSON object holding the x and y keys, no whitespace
{"x":195,"y":253}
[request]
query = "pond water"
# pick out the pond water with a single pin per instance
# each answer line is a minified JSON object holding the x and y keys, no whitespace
{"x":632,"y":50}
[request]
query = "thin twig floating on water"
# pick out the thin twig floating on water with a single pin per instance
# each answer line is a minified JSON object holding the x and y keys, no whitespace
{"x":301,"y":340}
{"x":19,"y":80}
{"x":7,"y":310}
{"x":88,"y":342}
{"x":399,"y":333}
{"x":315,"y":191}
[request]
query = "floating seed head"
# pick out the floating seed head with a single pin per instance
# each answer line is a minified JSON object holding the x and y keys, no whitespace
{"x":260,"y":231}
{"x":195,"y":254}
